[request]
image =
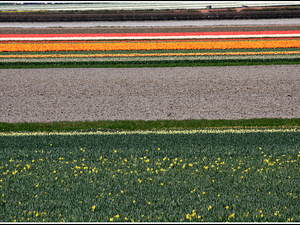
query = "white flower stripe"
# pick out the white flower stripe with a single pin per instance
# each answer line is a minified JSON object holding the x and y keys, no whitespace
{"x":204,"y":131}
{"x":146,"y":37}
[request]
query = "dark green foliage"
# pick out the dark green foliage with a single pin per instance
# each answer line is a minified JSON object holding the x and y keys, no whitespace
{"x":236,"y":177}
{"x":136,"y":64}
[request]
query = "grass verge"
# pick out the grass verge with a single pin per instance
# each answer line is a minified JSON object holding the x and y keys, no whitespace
{"x":138,"y":64}
{"x":131,"y":125}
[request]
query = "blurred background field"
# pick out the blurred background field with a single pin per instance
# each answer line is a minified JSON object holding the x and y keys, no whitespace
{"x":134,"y":5}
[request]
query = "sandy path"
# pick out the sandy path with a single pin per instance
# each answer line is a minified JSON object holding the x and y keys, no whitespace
{"x":61,"y":94}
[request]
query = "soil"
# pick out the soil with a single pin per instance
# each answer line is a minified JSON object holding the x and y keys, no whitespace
{"x":131,"y":15}
{"x":89,"y":94}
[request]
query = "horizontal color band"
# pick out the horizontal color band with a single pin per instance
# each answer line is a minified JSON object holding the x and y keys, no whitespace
{"x":145,"y":37}
{"x":173,"y":34}
{"x":149,"y":54}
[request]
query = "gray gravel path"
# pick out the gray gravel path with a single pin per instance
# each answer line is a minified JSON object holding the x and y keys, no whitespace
{"x":167,"y":23}
{"x":72,"y":94}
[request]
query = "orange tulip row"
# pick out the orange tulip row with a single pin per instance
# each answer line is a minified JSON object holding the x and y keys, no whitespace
{"x":148,"y":54}
{"x":242,"y":44}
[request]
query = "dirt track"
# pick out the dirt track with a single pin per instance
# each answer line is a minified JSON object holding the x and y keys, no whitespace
{"x":58,"y":94}
{"x":160,"y":15}
{"x":168,"y":23}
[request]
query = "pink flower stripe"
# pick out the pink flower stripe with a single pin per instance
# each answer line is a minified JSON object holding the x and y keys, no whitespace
{"x":176,"y":34}
{"x":125,"y":41}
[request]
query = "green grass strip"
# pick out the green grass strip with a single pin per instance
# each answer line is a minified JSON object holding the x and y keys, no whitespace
{"x":139,"y":64}
{"x":132,"y":125}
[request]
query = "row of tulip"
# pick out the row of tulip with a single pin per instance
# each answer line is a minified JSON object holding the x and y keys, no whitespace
{"x":170,"y":132}
{"x":29,"y":56}
{"x":78,"y":46}
{"x":172,"y":29}
{"x":146,"y":59}
{"x":176,"y":35}
{"x":156,"y":40}
{"x":150,"y":45}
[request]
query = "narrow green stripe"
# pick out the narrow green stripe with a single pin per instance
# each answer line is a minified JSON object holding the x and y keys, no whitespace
{"x":131,"y":125}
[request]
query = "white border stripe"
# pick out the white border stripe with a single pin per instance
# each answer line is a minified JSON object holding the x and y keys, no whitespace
{"x":147,"y":37}
{"x":208,"y":131}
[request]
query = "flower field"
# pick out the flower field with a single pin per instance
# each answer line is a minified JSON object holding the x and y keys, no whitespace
{"x":121,"y":44}
{"x":212,"y":175}
{"x":184,"y":175}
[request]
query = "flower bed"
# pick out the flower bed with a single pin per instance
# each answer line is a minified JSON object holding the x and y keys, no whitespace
{"x":108,"y":43}
{"x":213,"y":175}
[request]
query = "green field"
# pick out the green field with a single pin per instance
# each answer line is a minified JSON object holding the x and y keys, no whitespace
{"x":144,"y":63}
{"x":132,"y":125}
{"x":237,"y":175}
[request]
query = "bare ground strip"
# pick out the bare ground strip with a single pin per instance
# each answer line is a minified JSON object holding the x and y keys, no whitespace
{"x":178,"y":93}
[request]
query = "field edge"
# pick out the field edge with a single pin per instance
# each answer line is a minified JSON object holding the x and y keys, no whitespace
{"x":134,"y":125}
{"x":136,"y":64}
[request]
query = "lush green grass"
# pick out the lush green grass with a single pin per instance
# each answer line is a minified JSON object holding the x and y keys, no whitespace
{"x":136,"y":64}
{"x":147,"y":125}
{"x":236,"y":177}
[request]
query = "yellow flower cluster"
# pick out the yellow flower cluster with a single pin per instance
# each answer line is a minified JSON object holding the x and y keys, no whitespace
{"x":193,"y":215}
